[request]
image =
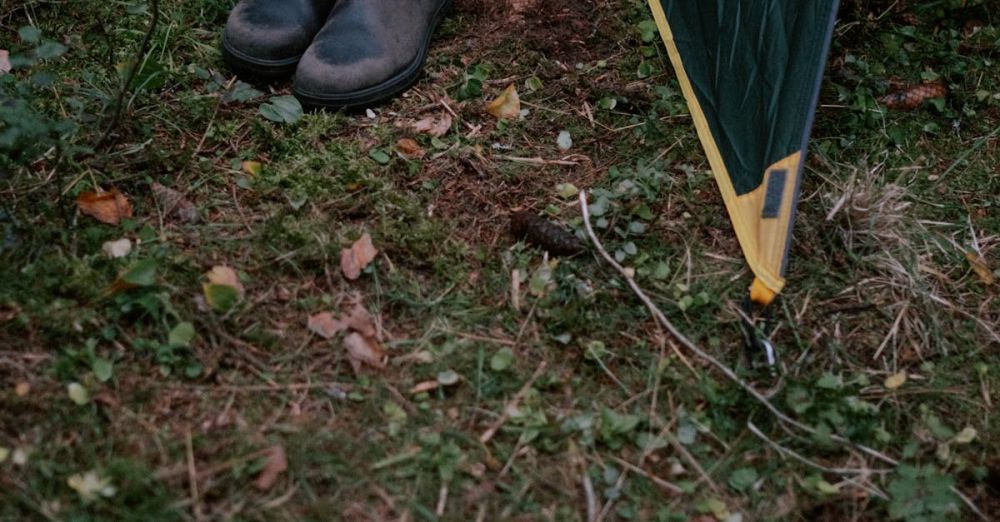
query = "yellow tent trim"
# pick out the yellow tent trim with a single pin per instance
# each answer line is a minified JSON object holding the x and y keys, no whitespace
{"x":763,"y":239}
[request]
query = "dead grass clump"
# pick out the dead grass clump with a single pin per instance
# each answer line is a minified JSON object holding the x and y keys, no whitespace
{"x":902,"y":269}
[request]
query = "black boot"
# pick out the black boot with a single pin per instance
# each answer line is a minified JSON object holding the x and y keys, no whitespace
{"x":368,"y":51}
{"x":264,"y":39}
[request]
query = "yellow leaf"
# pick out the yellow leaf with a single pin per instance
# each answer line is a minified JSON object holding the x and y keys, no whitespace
{"x":225,"y":276}
{"x":895,"y":381}
{"x":77,"y":393}
{"x":980,"y":267}
{"x":252,"y":167}
{"x":507,"y":106}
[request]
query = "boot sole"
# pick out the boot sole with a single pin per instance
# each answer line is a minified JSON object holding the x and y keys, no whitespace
{"x":256,"y":70}
{"x":377,"y":93}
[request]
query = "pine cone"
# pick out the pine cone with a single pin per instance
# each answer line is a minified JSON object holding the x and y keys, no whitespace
{"x":914,"y":96}
{"x":544,"y":234}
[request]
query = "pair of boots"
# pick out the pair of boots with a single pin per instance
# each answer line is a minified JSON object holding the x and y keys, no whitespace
{"x":343,"y":53}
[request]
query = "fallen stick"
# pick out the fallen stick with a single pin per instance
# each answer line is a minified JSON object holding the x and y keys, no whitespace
{"x":726,"y":370}
{"x":489,"y":433}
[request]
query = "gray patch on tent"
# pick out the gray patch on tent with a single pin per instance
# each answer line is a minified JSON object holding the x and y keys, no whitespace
{"x":773,"y":195}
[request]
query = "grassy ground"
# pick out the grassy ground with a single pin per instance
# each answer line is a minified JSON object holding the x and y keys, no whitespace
{"x":589,"y":393}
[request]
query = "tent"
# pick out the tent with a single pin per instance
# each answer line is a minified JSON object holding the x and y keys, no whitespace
{"x":750,"y":71}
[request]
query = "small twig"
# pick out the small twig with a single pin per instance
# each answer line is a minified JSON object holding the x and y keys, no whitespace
{"x":192,"y":476}
{"x":536,"y":160}
{"x":588,"y":491}
{"x":669,"y":486}
{"x":492,"y":430}
{"x":139,"y":58}
{"x":791,"y":453}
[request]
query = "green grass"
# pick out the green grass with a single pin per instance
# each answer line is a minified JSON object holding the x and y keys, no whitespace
{"x":886,"y":274}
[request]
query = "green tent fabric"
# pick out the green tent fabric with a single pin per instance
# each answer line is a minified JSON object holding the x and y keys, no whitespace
{"x":751,"y":71}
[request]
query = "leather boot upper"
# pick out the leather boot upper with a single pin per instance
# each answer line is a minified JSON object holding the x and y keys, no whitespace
{"x":262,"y":31}
{"x":366,"y":43}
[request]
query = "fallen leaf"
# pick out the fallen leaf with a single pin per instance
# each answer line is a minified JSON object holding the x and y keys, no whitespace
{"x":894,"y":381}
{"x":363,"y":350}
{"x":4,"y":453}
{"x":424,"y":386}
{"x":173,"y":202}
{"x":564,"y":141}
{"x":409,"y":148}
{"x":108,"y":207}
{"x":116,"y":249}
{"x":276,"y":464}
{"x":353,"y":260}
{"x":981,"y":268}
{"x":324,"y":325}
{"x":226,"y":276}
{"x":507,"y":106}
{"x":5,"y":66}
{"x":20,"y":456}
{"x":252,"y":167}
{"x":223,"y":289}
{"x":361,"y":321}
{"x":435,"y":126}
{"x":77,"y":393}
{"x":966,"y":436}
{"x":22,"y":388}
{"x":91,"y":485}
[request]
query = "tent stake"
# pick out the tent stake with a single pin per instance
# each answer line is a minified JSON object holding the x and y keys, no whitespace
{"x":726,"y":370}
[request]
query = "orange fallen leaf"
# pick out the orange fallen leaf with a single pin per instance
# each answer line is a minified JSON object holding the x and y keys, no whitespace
{"x":276,"y":464}
{"x":980,"y":267}
{"x":409,"y":148}
{"x":507,"y":106}
{"x":22,"y":388}
{"x":361,"y":321}
{"x":325,"y":325}
{"x":363,"y":350}
{"x":108,"y":207}
{"x":225,"y":276}
{"x":353,"y":260}
{"x":436,"y":127}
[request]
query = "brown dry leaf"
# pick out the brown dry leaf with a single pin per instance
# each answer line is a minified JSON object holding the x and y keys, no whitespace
{"x":22,"y":388}
{"x":324,"y":325}
{"x":363,"y":350}
{"x":225,"y":276}
{"x":277,"y":463}
{"x":435,"y":126}
{"x":507,"y":106}
{"x":173,"y":202}
{"x":425,"y":386}
{"x":108,"y":207}
{"x":980,"y":267}
{"x":353,"y":260}
{"x":5,"y":66}
{"x":361,"y":321}
{"x":410,"y":149}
